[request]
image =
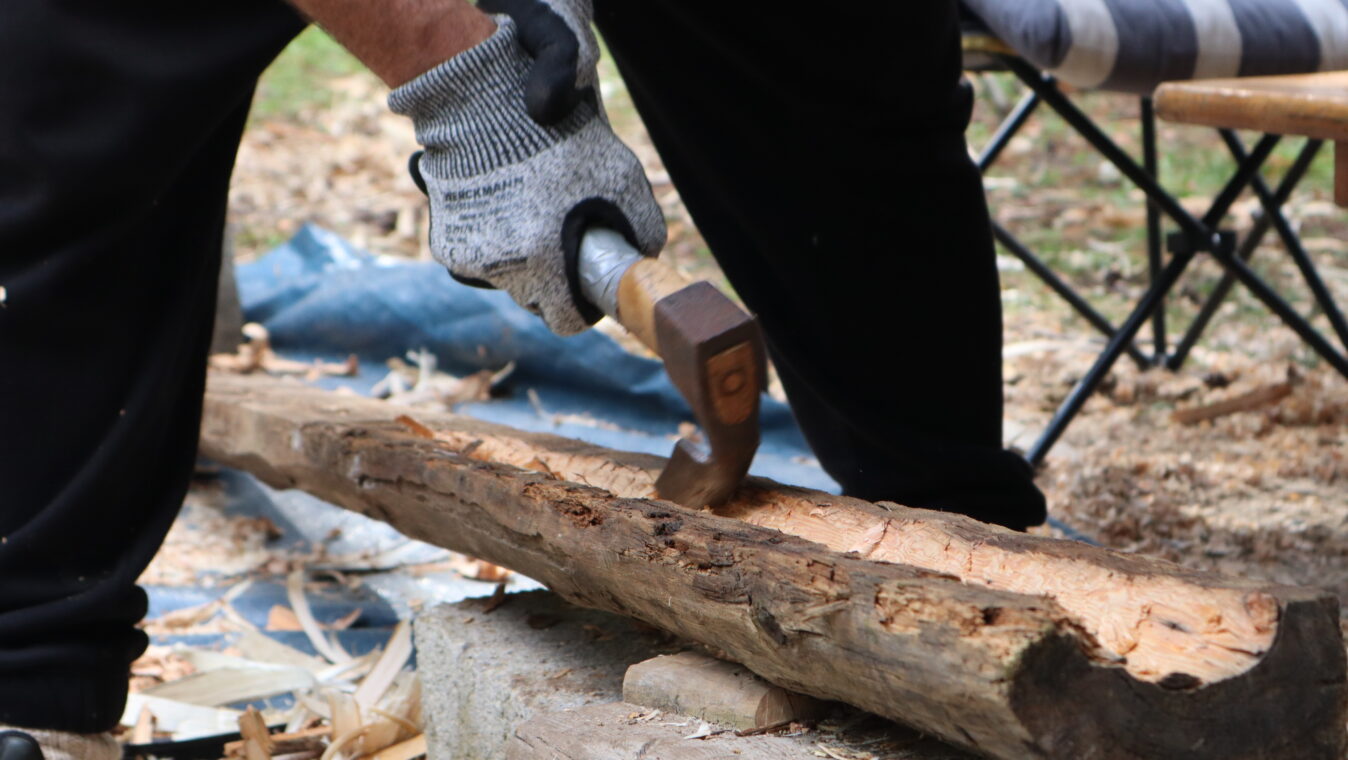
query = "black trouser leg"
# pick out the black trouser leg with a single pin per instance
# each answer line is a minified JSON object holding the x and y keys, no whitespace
{"x":118,"y":128}
{"x":822,"y":156}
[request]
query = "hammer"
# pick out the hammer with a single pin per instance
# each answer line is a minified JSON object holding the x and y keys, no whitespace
{"x":712,"y":350}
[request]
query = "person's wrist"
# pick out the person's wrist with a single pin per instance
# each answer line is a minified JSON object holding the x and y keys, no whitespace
{"x":460,"y":28}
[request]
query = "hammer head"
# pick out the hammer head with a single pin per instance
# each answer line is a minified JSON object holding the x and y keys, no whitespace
{"x":714,"y":355}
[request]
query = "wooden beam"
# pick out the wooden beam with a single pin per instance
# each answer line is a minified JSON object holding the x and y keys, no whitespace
{"x":1310,"y":105}
{"x":1011,"y":645}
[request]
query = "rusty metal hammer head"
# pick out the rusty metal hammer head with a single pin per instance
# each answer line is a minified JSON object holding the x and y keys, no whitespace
{"x":714,"y":355}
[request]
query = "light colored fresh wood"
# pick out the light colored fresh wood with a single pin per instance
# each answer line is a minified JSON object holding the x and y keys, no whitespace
{"x":299,"y":604}
{"x":309,"y":740}
{"x":259,"y":647}
{"x":347,"y":719}
{"x":224,"y":686}
{"x":406,"y":750}
{"x":722,"y":692}
{"x":643,"y":284}
{"x":396,"y":653}
{"x":143,"y":732}
{"x":255,"y":735}
{"x":1001,"y":642}
{"x":1308,"y":105}
{"x":180,"y":719}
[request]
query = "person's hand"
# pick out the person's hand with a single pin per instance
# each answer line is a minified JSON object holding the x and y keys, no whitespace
{"x":519,"y":159}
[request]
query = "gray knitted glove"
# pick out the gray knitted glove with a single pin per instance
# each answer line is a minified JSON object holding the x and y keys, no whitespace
{"x":510,"y":198}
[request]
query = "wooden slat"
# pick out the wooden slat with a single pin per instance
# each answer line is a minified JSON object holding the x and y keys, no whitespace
{"x":1308,"y":105}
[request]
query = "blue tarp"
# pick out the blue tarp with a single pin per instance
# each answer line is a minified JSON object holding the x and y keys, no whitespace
{"x":318,"y":295}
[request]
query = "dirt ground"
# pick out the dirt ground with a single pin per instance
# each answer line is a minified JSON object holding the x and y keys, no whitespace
{"x":1261,"y":492}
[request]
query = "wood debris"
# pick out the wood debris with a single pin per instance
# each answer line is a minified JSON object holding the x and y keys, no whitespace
{"x":422,"y":384}
{"x":143,"y":732}
{"x":1255,"y":399}
{"x":379,"y":713}
{"x":256,"y":355}
{"x":299,"y":603}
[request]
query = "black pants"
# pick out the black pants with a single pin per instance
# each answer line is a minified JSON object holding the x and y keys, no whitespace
{"x":822,"y":158}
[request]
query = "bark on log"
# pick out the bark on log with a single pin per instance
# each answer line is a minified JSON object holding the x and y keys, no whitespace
{"x":1011,"y":645}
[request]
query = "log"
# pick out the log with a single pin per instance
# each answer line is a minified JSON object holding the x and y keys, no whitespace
{"x":1010,"y":645}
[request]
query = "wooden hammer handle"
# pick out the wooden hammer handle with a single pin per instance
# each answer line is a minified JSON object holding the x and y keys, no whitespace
{"x":645,"y":283}
{"x":625,"y":285}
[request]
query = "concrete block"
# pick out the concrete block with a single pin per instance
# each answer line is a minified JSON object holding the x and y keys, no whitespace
{"x":538,"y":678}
{"x":623,"y":731}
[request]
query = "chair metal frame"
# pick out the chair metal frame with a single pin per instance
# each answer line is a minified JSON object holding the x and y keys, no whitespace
{"x":1196,"y":235}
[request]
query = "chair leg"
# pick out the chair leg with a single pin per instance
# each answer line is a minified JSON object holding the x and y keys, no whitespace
{"x":1154,"y":262}
{"x":1201,"y":234}
{"x":1065,"y":291}
{"x":1083,"y":390}
{"x":1277,"y":305}
{"x":1272,"y":211}
{"x":1272,"y":207}
{"x":1047,"y":89}
{"x":1008,"y":129}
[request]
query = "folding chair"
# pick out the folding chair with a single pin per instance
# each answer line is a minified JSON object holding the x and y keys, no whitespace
{"x":1131,"y":46}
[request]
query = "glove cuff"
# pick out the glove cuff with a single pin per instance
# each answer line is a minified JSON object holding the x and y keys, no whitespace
{"x":469,"y":111}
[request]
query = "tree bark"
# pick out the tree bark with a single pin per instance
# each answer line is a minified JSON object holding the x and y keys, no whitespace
{"x":1008,"y":644}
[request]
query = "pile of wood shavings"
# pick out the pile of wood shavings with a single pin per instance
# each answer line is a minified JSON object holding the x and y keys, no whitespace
{"x":344,"y":706}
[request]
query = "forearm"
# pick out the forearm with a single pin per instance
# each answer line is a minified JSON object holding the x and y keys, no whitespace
{"x":400,"y":39}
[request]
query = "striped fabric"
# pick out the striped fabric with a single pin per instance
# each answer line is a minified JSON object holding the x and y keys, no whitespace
{"x":1133,"y":45}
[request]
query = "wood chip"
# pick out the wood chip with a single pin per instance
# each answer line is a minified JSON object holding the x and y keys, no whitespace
{"x":256,"y":737}
{"x":229,"y":685}
{"x":414,"y":747}
{"x":299,"y":603}
{"x":180,"y":719}
{"x":282,"y":618}
{"x":1245,"y":402}
{"x":417,"y":429}
{"x":309,"y":740}
{"x":346,"y":716}
{"x":143,"y":733}
{"x":396,"y":653}
{"x":497,"y":598}
{"x":259,"y":647}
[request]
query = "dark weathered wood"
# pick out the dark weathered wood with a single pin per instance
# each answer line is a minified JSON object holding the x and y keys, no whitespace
{"x":1341,"y":172}
{"x":1012,"y":645}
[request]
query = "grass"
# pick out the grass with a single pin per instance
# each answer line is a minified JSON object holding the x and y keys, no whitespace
{"x":296,"y":82}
